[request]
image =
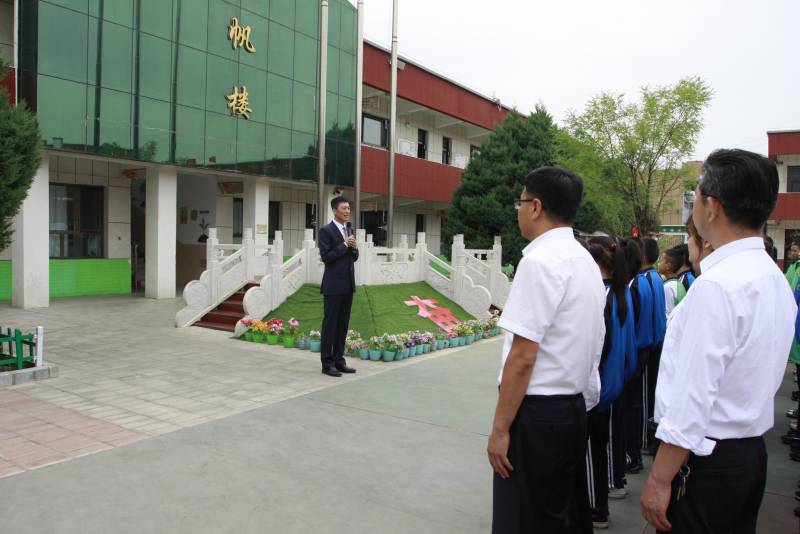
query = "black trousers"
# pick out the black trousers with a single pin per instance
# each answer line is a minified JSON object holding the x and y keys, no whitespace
{"x":334,"y":329}
{"x":546,"y":492}
{"x":635,"y":417}
{"x":597,"y":460}
{"x":649,"y":401}
{"x":616,"y":445}
{"x":723,"y":491}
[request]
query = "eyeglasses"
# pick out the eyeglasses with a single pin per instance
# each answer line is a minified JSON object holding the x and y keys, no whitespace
{"x":518,"y":202}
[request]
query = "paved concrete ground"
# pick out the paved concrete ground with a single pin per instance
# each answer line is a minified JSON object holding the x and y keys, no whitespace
{"x":396,"y":448}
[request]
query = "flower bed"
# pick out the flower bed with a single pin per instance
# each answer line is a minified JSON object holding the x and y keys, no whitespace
{"x":387,"y":347}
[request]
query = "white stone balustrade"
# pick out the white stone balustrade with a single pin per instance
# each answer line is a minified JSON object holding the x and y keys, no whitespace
{"x":474,"y":280}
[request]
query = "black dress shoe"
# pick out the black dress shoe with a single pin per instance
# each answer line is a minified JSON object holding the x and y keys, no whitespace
{"x":345,"y":369}
{"x":331,"y":372}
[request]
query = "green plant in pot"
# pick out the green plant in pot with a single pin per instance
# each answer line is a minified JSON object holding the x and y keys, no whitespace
{"x":314,"y":340}
{"x":289,"y":332}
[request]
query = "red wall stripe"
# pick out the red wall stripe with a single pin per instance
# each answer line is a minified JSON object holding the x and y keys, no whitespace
{"x":420,"y":86}
{"x":414,"y":178}
{"x":787,"y":208}
{"x":783,"y":143}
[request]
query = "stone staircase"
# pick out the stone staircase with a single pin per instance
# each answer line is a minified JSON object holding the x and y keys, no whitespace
{"x":226,"y":315}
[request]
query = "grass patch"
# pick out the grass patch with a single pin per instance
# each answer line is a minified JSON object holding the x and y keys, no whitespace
{"x":376,"y":309}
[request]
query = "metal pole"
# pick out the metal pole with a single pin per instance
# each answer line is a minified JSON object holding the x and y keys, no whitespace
{"x":323,"y":82}
{"x":392,"y":131}
{"x":359,"y":109}
{"x":15,"y":59}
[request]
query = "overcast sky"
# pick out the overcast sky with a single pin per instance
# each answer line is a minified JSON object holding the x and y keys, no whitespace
{"x":563,"y":52}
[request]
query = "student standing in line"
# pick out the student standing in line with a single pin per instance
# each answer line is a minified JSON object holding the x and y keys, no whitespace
{"x":724,"y":359}
{"x":669,"y":265}
{"x":659,"y":318}
{"x":549,"y":373}
{"x":686,"y":274}
{"x":643,"y":326}
{"x":617,"y":364}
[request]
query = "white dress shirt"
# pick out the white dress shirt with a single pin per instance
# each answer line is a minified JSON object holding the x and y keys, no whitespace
{"x":342,"y":229}
{"x":725,"y":350}
{"x":670,"y":294}
{"x":557,"y":300}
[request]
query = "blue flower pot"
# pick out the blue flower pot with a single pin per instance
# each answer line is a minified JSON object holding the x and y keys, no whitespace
{"x":469,"y":339}
{"x":315,"y":346}
{"x":363,"y":354}
{"x":388,"y":355}
{"x":374,"y":354}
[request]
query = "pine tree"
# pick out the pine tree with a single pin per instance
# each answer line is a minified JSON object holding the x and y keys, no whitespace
{"x":19,"y":158}
{"x":483,"y":205}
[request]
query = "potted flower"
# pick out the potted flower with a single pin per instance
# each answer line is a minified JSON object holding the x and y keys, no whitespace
{"x":289,"y":332}
{"x":375,"y":348}
{"x":302,"y":341}
{"x":410,"y":345}
{"x":274,"y":327}
{"x":390,"y":347}
{"x":402,"y":341}
{"x":259,"y":329}
{"x":363,"y":349}
{"x":420,"y":340}
{"x":452,"y":338}
{"x":248,"y":322}
{"x":352,"y":342}
{"x":314,"y":340}
{"x":469,"y":334}
{"x":429,"y":339}
{"x":493,"y":320}
{"x":440,"y":339}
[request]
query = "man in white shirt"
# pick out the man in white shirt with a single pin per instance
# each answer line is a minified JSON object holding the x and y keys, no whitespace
{"x":724,"y":358}
{"x":549,"y":376}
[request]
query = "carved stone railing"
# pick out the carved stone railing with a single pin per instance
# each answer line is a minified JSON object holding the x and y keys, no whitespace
{"x":228,"y":268}
{"x":473,"y":280}
{"x":484,"y":266}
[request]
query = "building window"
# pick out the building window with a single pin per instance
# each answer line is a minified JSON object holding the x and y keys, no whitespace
{"x":474,"y":151}
{"x":793,"y":179}
{"x":76,"y":221}
{"x":422,"y":144}
{"x":420,"y":222}
{"x":374,"y":131}
{"x":446,"y":150}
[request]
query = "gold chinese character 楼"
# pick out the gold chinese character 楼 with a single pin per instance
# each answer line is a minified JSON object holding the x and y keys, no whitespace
{"x":240,"y":36}
{"x":238,"y":102}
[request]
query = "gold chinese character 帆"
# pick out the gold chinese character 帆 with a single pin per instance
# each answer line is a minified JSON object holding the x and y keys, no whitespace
{"x":240,"y":36}
{"x":238,"y":102}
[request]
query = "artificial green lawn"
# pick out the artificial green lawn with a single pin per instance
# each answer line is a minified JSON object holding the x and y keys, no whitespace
{"x":376,"y":309}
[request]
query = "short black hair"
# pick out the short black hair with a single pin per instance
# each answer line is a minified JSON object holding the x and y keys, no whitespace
{"x":559,"y":191}
{"x":338,"y":200}
{"x":745,"y":183}
{"x":650,"y":249}
{"x":675,"y":257}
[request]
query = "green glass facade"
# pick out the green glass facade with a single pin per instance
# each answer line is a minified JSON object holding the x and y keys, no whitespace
{"x":148,"y":79}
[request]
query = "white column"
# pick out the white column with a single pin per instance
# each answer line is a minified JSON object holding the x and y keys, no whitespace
{"x":160,"y":232}
{"x":30,"y":244}
{"x":256,"y":208}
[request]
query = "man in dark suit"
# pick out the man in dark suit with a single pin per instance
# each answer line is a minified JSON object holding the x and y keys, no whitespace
{"x":338,"y":250}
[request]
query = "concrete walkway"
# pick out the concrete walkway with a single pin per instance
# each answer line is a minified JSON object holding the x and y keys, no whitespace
{"x":395,"y":448}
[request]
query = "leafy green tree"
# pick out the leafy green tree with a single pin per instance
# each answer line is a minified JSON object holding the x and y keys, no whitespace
{"x":483,"y":205}
{"x":650,"y":139}
{"x":604,"y":207}
{"x":19,"y":158}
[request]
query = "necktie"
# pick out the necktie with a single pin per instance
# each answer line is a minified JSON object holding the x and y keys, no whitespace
{"x":344,"y":234}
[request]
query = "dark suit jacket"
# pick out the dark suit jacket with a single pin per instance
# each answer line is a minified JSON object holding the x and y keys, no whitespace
{"x":339,"y":260}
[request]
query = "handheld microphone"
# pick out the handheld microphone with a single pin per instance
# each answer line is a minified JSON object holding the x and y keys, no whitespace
{"x":349,"y":229}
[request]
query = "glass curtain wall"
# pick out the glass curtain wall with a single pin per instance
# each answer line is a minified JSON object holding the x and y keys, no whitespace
{"x":199,"y":83}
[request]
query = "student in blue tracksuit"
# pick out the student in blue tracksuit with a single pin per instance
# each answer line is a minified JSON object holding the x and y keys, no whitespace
{"x":650,"y":254}
{"x":642,"y":294}
{"x":617,"y":363}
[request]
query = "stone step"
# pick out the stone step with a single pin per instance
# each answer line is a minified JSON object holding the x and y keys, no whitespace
{"x":223,"y":317}
{"x":215,"y":326}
